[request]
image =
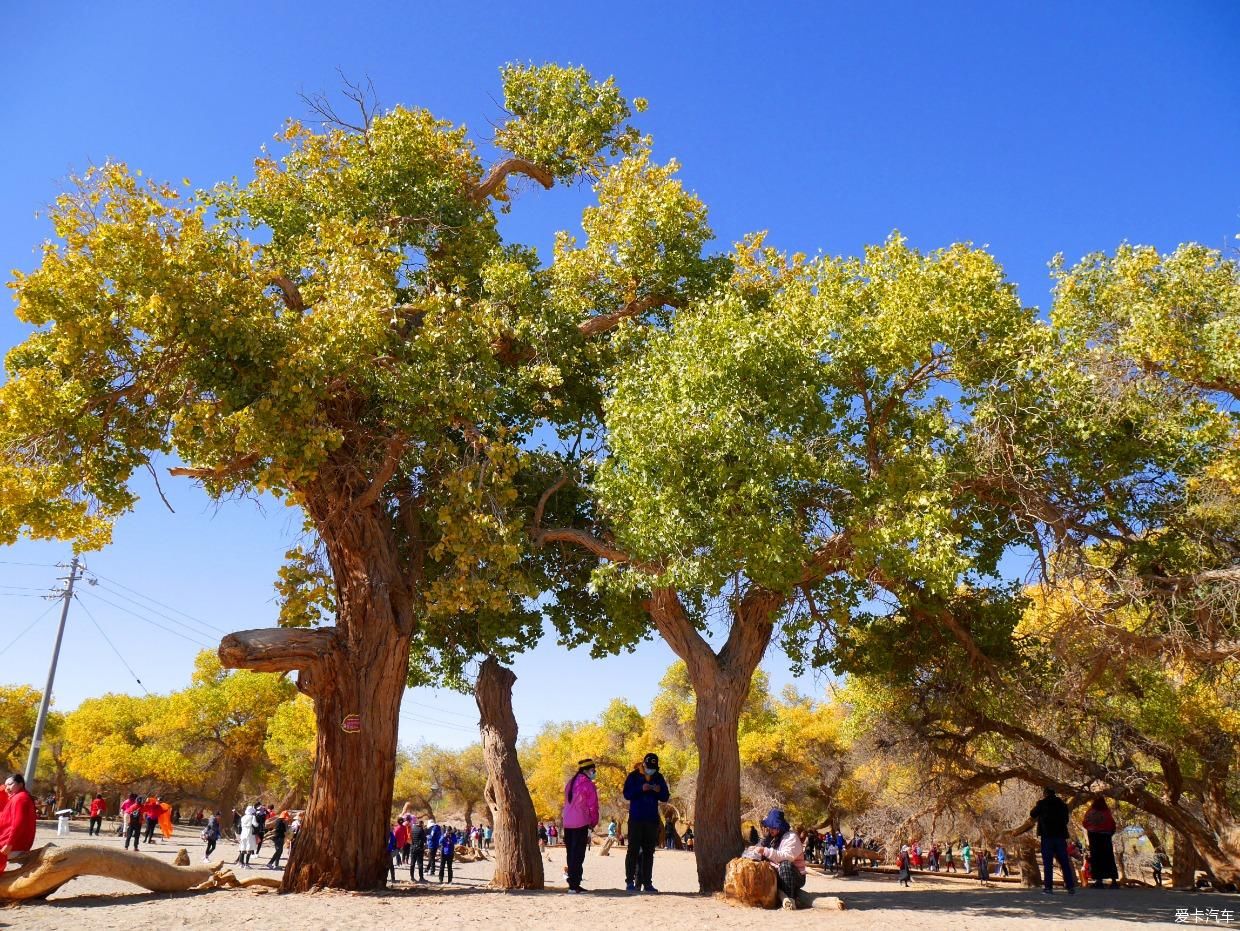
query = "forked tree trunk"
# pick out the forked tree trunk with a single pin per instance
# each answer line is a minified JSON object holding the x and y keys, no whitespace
{"x":355,"y":673}
{"x":720,"y":684}
{"x":518,"y":864}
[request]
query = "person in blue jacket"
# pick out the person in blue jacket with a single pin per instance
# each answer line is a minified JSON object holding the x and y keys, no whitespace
{"x":434,"y":836}
{"x":645,"y":788}
{"x":391,"y":854}
{"x":447,"y":851}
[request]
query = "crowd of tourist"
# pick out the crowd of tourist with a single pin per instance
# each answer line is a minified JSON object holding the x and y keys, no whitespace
{"x":426,"y":847}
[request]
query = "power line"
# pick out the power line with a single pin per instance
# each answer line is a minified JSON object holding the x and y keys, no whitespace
{"x":42,"y":565}
{"x":415,"y":719}
{"x":211,"y":632}
{"x":134,"y":591}
{"x":110,"y":643}
{"x":30,"y":627}
{"x":458,"y":714}
{"x":135,"y":615}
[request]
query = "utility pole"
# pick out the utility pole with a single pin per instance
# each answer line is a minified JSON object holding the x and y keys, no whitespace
{"x":46,"y":702}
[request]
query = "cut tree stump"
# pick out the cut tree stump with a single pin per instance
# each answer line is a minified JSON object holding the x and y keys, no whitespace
{"x":46,"y":869}
{"x":751,"y":882}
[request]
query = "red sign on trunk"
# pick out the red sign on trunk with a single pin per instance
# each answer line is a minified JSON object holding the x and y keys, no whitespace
{"x":351,"y":724}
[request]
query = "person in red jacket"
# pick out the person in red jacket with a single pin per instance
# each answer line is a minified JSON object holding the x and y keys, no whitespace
{"x":16,"y":819}
{"x":152,"y":809}
{"x":97,"y":808}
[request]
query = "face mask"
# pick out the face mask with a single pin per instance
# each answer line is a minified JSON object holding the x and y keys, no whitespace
{"x":592,"y":775}
{"x":650,"y":770}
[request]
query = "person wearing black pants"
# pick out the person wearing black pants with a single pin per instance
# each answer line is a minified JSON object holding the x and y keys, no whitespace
{"x":97,"y":807}
{"x":279,"y":832}
{"x":447,"y":853}
{"x":134,"y":832}
{"x":417,"y":849}
{"x":645,"y":788}
{"x":580,"y":817}
{"x":434,"y":836}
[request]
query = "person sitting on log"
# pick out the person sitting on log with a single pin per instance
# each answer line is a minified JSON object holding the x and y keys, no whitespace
{"x":784,"y":851}
{"x":17,"y":820}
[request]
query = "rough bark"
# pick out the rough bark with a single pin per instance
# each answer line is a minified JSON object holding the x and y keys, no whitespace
{"x":1185,"y":861}
{"x":1026,"y":850}
{"x":229,"y":793}
{"x":46,"y":869}
{"x":720,"y":684}
{"x":355,"y":673}
{"x":752,"y":883}
{"x":518,"y":864}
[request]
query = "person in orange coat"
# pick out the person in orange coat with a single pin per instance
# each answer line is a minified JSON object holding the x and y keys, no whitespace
{"x":165,"y":818}
{"x":17,"y":820}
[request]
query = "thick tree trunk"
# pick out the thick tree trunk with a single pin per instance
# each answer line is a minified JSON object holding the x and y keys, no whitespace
{"x":518,"y":864}
{"x":230,"y":792}
{"x":720,"y":684}
{"x":717,"y":804}
{"x":1185,"y":861}
{"x":343,"y":839}
{"x":355,"y":673}
{"x":1026,"y":849}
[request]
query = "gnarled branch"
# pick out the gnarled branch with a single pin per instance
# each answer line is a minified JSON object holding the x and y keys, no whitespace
{"x":604,"y":323}
{"x":278,"y":649}
{"x":596,"y":545}
{"x":391,"y":460}
{"x":290,"y":293}
{"x":495,"y":178}
{"x":215,"y":473}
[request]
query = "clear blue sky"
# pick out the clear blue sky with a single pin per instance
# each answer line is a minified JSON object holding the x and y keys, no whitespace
{"x":1034,"y":129}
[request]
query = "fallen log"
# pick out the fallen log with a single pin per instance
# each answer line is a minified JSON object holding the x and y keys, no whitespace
{"x":46,"y":869}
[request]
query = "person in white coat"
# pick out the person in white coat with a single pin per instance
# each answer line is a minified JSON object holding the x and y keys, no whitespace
{"x":247,"y":841}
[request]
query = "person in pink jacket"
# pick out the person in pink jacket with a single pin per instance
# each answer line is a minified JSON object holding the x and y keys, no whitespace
{"x":580,"y":817}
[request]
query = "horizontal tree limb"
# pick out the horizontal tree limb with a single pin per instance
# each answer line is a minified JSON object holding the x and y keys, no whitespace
{"x":216,"y":472}
{"x":278,"y":649}
{"x":604,"y":323}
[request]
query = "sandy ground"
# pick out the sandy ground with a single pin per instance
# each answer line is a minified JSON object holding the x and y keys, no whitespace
{"x":873,"y":904}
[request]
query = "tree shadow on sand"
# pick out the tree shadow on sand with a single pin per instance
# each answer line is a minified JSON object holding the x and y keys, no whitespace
{"x":1135,"y":905}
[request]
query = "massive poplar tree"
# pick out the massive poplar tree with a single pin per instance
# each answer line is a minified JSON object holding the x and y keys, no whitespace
{"x":349,"y":332}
